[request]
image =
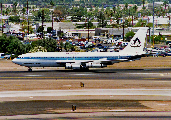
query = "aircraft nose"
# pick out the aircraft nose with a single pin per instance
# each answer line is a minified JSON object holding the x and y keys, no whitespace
{"x":14,"y":60}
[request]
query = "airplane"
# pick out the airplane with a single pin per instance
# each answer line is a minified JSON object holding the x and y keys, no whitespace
{"x":85,"y":60}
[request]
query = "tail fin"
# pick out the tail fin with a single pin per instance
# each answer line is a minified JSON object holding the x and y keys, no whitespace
{"x":136,"y":45}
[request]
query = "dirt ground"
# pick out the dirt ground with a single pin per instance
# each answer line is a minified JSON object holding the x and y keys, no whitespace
{"x":65,"y":106}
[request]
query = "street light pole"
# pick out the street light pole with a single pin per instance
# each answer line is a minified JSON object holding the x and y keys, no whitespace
{"x":52,"y":22}
{"x":153,"y":23}
{"x":27,"y":17}
{"x":123,"y":26}
{"x":1,"y":19}
{"x":42,"y":22}
{"x":123,"y":30}
{"x":88,"y":30}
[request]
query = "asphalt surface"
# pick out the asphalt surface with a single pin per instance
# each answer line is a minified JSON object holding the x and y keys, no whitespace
{"x":119,"y":115}
{"x":98,"y":74}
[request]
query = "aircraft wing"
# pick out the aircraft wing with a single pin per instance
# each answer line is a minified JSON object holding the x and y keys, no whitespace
{"x":113,"y":61}
{"x":89,"y":63}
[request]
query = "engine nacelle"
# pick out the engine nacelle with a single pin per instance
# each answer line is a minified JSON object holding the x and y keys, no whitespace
{"x":76,"y":67}
{"x":73,"y":66}
{"x":93,"y":65}
{"x":68,"y":66}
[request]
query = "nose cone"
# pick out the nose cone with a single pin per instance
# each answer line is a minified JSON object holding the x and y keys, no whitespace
{"x":15,"y":61}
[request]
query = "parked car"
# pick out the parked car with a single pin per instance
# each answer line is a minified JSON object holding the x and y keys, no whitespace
{"x":162,"y":54}
{"x":168,"y":53}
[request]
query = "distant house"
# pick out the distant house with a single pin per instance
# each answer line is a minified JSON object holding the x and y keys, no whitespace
{"x":8,"y":5}
{"x":80,"y":33}
{"x":32,"y":6}
{"x":159,"y":21}
{"x":115,"y":32}
{"x":129,"y":5}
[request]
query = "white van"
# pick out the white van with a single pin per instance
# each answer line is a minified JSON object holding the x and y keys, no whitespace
{"x":2,"y":55}
{"x":96,"y":37}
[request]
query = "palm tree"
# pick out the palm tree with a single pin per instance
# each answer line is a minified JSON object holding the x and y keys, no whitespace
{"x":108,"y":12}
{"x":126,"y":9}
{"x":23,"y":11}
{"x":143,"y":1}
{"x":7,"y":11}
{"x":126,"y":6}
{"x":165,"y":4}
{"x":15,"y":5}
{"x":101,"y":19}
{"x":135,"y":8}
{"x":96,"y":11}
{"x":33,"y":8}
{"x":114,"y":9}
{"x":52,"y":3}
{"x":143,"y":7}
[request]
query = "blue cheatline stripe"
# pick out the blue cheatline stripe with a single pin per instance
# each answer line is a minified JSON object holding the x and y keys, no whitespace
{"x":77,"y":58}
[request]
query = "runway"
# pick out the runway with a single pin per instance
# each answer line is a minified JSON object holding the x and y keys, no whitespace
{"x":103,"y":82}
{"x":100,"y":74}
{"x":88,"y":92}
{"x":107,"y":94}
{"x":97,"y":116}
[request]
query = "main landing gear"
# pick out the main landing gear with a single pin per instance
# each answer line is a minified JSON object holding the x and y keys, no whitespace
{"x":30,"y":69}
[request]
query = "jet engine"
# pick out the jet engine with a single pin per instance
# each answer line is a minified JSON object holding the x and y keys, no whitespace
{"x":73,"y":66}
{"x":94,"y":65}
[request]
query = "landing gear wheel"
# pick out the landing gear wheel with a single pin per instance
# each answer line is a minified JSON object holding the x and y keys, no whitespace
{"x":30,"y":70}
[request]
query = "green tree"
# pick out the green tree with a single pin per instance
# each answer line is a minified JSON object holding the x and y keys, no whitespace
{"x":158,"y":39}
{"x":114,"y":9}
{"x":14,"y":19}
{"x":15,"y":7}
{"x":90,"y":24}
{"x":101,"y":19}
{"x":129,"y":35}
{"x":126,"y":6}
{"x":165,"y":4}
{"x":25,"y":27}
{"x":60,"y":12}
{"x":135,"y":8}
{"x":38,"y":15}
{"x":7,"y":11}
{"x":39,"y":30}
{"x":61,"y":45}
{"x":143,"y":8}
{"x":67,"y":46}
{"x":52,"y":3}
{"x":49,"y":30}
{"x":24,"y":11}
{"x":141,"y":23}
{"x":143,"y":1}
{"x":96,"y":11}
{"x":108,"y":12}
{"x":49,"y":44}
{"x":38,"y":49}
{"x":12,"y":45}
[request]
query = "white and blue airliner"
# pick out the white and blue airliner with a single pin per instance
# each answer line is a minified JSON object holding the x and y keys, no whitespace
{"x":85,"y":60}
